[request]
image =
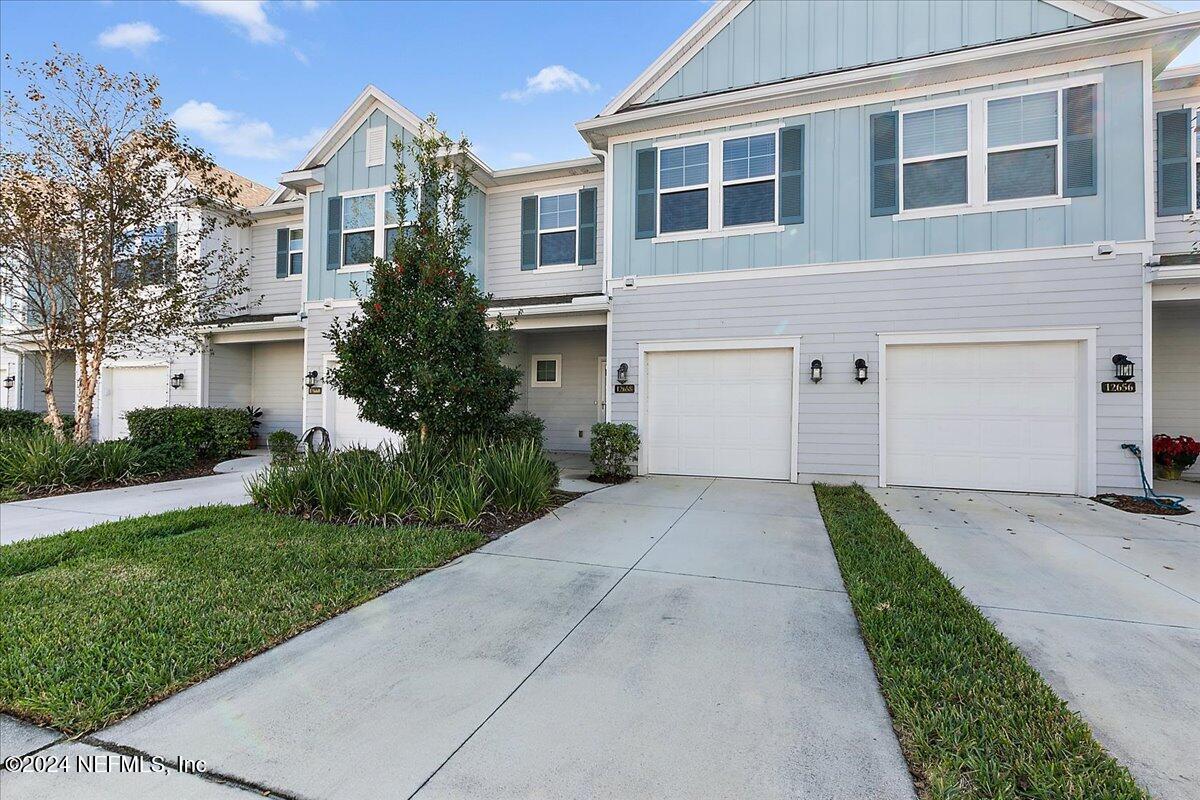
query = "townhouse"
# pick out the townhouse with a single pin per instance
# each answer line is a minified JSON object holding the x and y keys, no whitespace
{"x":916,"y":243}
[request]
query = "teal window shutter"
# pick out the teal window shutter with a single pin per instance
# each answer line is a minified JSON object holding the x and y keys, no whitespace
{"x":1079,"y":141}
{"x":281,"y":252}
{"x":645,"y":189}
{"x":885,"y":195}
{"x":333,"y":248}
{"x":587,"y":227}
{"x":1174,"y":171}
{"x":791,"y":175}
{"x":529,"y":232}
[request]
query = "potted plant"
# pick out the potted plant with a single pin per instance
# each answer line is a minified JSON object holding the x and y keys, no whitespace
{"x":253,"y":420}
{"x":1174,"y":454}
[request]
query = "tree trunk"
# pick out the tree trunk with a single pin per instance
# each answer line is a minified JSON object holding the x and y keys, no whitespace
{"x":89,"y":380}
{"x":52,"y":415}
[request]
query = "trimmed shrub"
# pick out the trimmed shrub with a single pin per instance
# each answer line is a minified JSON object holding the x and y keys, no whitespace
{"x":164,"y":458}
{"x":16,"y":419}
{"x":519,"y":427}
{"x":614,"y":445}
{"x":282,"y":445}
{"x":216,"y":433}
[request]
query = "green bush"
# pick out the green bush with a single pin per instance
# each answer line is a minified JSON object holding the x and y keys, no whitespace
{"x":215,"y":433}
{"x":614,"y":445}
{"x":519,"y":427}
{"x":113,"y":462}
{"x":37,"y":460}
{"x":16,"y":419}
{"x":519,"y":475}
{"x":166,"y":458}
{"x":282,"y":445}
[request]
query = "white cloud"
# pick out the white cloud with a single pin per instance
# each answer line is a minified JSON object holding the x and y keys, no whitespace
{"x":232,"y":133}
{"x":247,"y":16}
{"x":554,"y":78}
{"x":135,"y":36}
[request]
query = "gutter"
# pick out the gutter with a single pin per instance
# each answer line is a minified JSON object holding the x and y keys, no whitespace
{"x":283,"y":322}
{"x":596,"y":303}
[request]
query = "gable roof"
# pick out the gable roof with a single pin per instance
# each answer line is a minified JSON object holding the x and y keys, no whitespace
{"x":723,"y":12}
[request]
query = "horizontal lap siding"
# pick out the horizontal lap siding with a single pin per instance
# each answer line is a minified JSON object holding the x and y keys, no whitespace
{"x":1177,"y":368}
{"x":279,"y":296}
{"x":838,"y":317}
{"x":572,"y":407}
{"x":276,"y":385}
{"x":316,"y":347}
{"x":229,"y":368}
{"x":504,"y":277}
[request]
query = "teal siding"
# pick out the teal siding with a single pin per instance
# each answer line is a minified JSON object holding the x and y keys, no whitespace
{"x":838,"y":225}
{"x":772,"y":40}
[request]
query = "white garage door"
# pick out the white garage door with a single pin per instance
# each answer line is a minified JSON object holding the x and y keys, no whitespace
{"x":985,"y":416}
{"x":134,"y":387}
{"x":726,"y":413}
{"x":346,"y":429}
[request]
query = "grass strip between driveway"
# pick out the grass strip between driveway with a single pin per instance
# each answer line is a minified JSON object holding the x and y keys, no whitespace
{"x":973,"y":718}
{"x":98,"y":623}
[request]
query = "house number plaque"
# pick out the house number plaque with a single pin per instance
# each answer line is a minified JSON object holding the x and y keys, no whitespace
{"x":1117,"y":387}
{"x":623,"y":388}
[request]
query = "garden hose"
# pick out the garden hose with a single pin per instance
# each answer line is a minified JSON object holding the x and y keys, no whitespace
{"x":1170,"y":502}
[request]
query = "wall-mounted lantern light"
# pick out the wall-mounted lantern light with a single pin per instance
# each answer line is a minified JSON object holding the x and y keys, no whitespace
{"x":623,"y":373}
{"x":1122,"y":367}
{"x":10,"y":381}
{"x":860,"y":370}
{"x":815,"y":370}
{"x":310,"y":378}
{"x":177,"y":380}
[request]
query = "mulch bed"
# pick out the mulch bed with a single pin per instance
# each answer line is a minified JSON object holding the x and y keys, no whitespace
{"x":594,"y":478}
{"x":1138,"y":505}
{"x":197,"y":470}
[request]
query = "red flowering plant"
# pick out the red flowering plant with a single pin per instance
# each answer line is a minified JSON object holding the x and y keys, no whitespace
{"x":1173,"y":454}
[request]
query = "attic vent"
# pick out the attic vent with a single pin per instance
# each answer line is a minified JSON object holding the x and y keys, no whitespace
{"x":376,"y":144}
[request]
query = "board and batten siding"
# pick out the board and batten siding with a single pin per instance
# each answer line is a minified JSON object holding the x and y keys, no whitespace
{"x":278,"y":295}
{"x":1175,"y":233}
{"x":346,"y":171}
{"x":838,"y":225}
{"x":229,"y":376}
{"x":1177,"y":368}
{"x":838,"y":316}
{"x":504,"y":277}
{"x":771,"y":41}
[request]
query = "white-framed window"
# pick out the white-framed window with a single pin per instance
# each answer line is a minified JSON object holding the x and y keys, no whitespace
{"x":1024,"y":135}
{"x":545,"y":371}
{"x":359,"y":224}
{"x":558,"y":229}
{"x":1195,"y":120}
{"x":683,"y":188}
{"x":748,"y":180}
{"x":295,"y":251}
{"x":934,"y":146}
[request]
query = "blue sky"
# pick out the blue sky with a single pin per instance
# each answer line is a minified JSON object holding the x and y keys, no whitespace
{"x":257,"y":82}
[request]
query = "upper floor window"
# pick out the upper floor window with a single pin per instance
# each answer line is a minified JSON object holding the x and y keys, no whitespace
{"x":558,"y":218}
{"x":358,"y":230}
{"x":1022,"y":146}
{"x":748,"y":180}
{"x":934,"y":154}
{"x":295,"y":251}
{"x":683,"y":188}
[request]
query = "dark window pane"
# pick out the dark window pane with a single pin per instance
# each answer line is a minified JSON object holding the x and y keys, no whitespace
{"x":1023,"y":173}
{"x":297,"y":263}
{"x":746,"y":203}
{"x":684,"y":211}
{"x":557,"y":248}
{"x":359,"y":247}
{"x":935,"y":183}
{"x":547,"y":371}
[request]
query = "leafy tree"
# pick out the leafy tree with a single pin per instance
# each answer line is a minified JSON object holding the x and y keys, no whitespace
{"x":422,"y":357}
{"x":107,"y":224}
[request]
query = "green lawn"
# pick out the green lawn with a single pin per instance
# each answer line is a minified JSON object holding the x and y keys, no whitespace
{"x":973,"y":718}
{"x":95,"y":624}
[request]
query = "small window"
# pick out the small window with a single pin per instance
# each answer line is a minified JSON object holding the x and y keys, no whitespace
{"x":1022,"y":142}
{"x":296,"y":251}
{"x":546,"y":372}
{"x":558,"y":217}
{"x":934,"y":156}
{"x":683,"y":188}
{"x":748,"y":180}
{"x":358,"y":230}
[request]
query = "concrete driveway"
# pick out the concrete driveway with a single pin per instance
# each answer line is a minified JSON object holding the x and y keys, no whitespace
{"x":1105,"y":604}
{"x":668,"y":638}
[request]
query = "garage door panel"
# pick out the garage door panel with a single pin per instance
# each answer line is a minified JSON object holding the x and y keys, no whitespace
{"x":720,"y":412}
{"x":984,"y":416}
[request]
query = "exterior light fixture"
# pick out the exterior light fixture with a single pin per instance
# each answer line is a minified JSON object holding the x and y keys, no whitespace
{"x":10,"y":381}
{"x":310,"y":378}
{"x":177,"y":380}
{"x":1122,"y":367}
{"x":623,"y":373}
{"x":815,"y":370}
{"x":860,"y":370}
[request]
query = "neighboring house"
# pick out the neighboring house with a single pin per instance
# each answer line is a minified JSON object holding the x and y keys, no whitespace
{"x":892,"y":242}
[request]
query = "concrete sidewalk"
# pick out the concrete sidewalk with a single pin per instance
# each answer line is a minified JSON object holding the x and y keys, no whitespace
{"x":665,"y":638}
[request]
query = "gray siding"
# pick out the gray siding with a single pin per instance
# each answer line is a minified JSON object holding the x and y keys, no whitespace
{"x":1177,"y":368}
{"x":839,"y":315}
{"x":1175,"y":234}
{"x":32,"y":382}
{"x":504,"y":277}
{"x":771,"y":41}
{"x":316,"y":347}
{"x":570,"y":408}
{"x":838,"y":225}
{"x":229,"y":376}
{"x":278,"y":295}
{"x":276,"y":385}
